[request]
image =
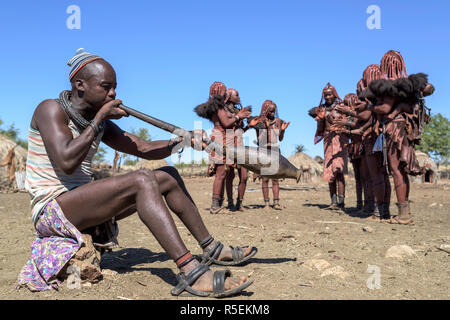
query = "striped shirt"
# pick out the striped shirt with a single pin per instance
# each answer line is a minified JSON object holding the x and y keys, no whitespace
{"x":44,"y":180}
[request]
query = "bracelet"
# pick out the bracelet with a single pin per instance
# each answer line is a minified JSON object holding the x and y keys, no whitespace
{"x":94,"y":126}
{"x":184,"y":259}
{"x":171,"y":144}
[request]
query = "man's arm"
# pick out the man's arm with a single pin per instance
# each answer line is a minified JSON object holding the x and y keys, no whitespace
{"x":62,"y":149}
{"x":126,"y":142}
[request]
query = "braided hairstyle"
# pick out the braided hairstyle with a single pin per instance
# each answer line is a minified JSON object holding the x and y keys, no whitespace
{"x":392,"y":65}
{"x":217,"y":88}
{"x":372,"y":72}
{"x":351,"y":100}
{"x":216,"y":101}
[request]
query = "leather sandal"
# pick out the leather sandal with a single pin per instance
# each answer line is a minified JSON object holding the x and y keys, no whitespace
{"x":185,"y":282}
{"x":237,"y":254}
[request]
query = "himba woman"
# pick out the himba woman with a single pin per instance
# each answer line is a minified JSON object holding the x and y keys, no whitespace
{"x":224,"y":121}
{"x":334,"y":143}
{"x":269,"y":131}
{"x":401,"y":115}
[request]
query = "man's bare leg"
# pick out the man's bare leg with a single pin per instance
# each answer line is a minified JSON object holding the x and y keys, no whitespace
{"x":99,"y":201}
{"x":178,"y":199}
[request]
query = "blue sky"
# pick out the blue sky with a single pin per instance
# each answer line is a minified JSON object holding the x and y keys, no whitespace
{"x":167,"y":53}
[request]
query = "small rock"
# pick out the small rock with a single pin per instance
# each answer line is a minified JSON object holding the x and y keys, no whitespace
{"x":368,"y":229}
{"x":400,"y":252}
{"x":318,"y":264}
{"x":336,"y":271}
{"x":433,"y":204}
{"x":108,"y":273}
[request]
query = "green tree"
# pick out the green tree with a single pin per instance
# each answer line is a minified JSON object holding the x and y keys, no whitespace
{"x":436,"y":138}
{"x":144,"y":135}
{"x":13,"y":133}
{"x":100,"y":155}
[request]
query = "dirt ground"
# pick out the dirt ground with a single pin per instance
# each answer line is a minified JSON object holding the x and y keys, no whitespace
{"x":298,"y":249}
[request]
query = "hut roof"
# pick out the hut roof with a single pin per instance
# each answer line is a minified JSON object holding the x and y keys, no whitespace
{"x":7,"y":144}
{"x":146,"y":164}
{"x":425,"y":160}
{"x":151,"y":164}
{"x":302,"y":159}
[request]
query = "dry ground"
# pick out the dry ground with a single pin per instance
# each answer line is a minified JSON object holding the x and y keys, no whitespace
{"x":285,"y":239}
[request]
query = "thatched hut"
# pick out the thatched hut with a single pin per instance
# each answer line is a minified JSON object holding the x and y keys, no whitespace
{"x":311,"y":169}
{"x":150,"y":164}
{"x":318,"y":159}
{"x":17,"y":161}
{"x":431,"y":174}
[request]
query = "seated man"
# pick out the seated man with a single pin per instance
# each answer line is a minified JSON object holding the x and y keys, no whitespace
{"x":63,"y":138}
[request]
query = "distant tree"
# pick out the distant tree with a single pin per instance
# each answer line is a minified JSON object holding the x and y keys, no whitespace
{"x":144,"y":135}
{"x":100,"y":155}
{"x":129,"y":162}
{"x":436,"y":138}
{"x":13,"y":133}
{"x":299,"y":148}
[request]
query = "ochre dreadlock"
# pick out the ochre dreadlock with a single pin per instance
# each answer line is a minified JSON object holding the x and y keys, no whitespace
{"x":229,"y":93}
{"x":217,"y":88}
{"x":392,"y":65}
{"x":360,"y":86}
{"x":372,"y":72}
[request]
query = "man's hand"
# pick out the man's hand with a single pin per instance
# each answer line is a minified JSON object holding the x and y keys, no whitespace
{"x":110,"y":110}
{"x":198,"y":138}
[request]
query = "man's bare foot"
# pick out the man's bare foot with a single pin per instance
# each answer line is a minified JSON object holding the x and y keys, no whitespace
{"x":205,"y":281}
{"x":226,"y":253}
